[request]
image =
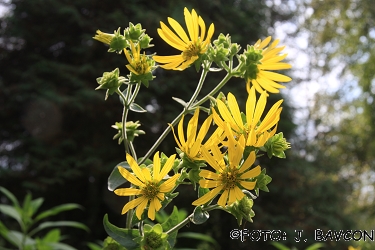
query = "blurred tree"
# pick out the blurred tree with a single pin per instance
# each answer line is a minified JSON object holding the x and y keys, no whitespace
{"x":55,"y":135}
{"x":344,"y":38}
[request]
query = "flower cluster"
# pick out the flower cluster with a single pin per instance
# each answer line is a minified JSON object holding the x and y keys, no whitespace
{"x":217,"y":156}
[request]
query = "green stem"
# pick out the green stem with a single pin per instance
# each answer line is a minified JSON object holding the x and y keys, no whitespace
{"x":177,"y":119}
{"x":188,"y":219}
{"x":214,"y":91}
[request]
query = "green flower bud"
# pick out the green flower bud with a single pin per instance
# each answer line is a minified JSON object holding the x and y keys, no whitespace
{"x":144,"y":42}
{"x":134,"y":32}
{"x":276,"y":145}
{"x":242,"y":209}
{"x":154,"y":238}
{"x":131,"y":131}
{"x":116,"y":41}
{"x":110,"y":81}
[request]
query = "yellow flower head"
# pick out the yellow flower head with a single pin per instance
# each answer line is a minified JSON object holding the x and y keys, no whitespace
{"x":138,"y":64}
{"x":257,"y":71}
{"x":231,"y":176}
{"x":192,"y":146}
{"x":255,"y":131}
{"x":149,"y":187}
{"x":192,"y":47}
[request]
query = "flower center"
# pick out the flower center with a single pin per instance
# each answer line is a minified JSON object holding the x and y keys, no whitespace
{"x":150,"y":190}
{"x":192,"y":50}
{"x":141,"y":66}
{"x":229,"y":178}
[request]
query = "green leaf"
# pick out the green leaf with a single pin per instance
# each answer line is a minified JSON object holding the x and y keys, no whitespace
{"x":136,"y":108}
{"x":172,"y":221}
{"x":124,"y":237}
{"x":12,"y":212}
{"x":115,"y":179}
{"x":180,"y":101}
{"x":198,"y":236}
{"x":280,"y":246}
{"x":61,"y":246}
{"x":52,"y":236}
{"x":56,"y":210}
{"x":200,"y":216}
{"x":94,"y":246}
{"x":315,"y":246}
{"x":48,"y":224}
{"x":35,"y":205}
{"x":16,"y":238}
{"x":10,"y":196}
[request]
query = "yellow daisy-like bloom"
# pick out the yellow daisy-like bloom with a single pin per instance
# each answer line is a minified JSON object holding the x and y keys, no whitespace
{"x":192,"y":146}
{"x":191,"y":47}
{"x":150,"y":188}
{"x":256,"y":132}
{"x":271,"y":60}
{"x":138,"y":64}
{"x":230,"y":177}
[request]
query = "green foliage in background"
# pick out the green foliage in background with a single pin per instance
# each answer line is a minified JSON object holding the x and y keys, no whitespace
{"x":31,"y":223}
{"x":55,"y":130}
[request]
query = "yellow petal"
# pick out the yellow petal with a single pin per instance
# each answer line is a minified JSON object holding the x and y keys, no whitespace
{"x":166,"y":59}
{"x":192,"y":127}
{"x":156,"y":168}
{"x":248,"y":162}
{"x":275,"y":76}
{"x":227,"y":116}
{"x":208,"y":174}
{"x":151,"y":210}
{"x":127,"y":191}
{"x":223,"y":198}
{"x":209,"y":183}
{"x":202,"y":26}
{"x":264,"y":43}
{"x":252,"y":173}
{"x":179,"y":30}
{"x":169,"y":184}
{"x":249,"y":185}
{"x":169,"y":37}
{"x":181,"y":135}
{"x":136,"y":169}
{"x":141,"y":207}
{"x":250,"y":106}
{"x":275,"y":66}
{"x":132,"y":204}
{"x":207,"y":197}
{"x":235,"y":110}
{"x":167,"y":167}
{"x":131,"y":178}
{"x":146,"y":173}
{"x":259,"y":108}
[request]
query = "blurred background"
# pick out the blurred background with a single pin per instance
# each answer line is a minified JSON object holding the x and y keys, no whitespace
{"x":55,"y":129}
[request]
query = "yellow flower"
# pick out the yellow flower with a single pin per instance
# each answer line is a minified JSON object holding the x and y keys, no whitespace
{"x":150,"y":188}
{"x":192,"y":146}
{"x":229,"y":177}
{"x":138,"y":64}
{"x":191,"y":47}
{"x":256,"y":132}
{"x":262,"y":78}
{"x":354,"y":248}
{"x":103,"y":37}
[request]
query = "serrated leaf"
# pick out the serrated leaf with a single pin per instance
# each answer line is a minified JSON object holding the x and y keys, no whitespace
{"x":180,"y":101}
{"x":199,"y":216}
{"x":115,"y":179}
{"x":124,"y":237}
{"x":136,"y":108}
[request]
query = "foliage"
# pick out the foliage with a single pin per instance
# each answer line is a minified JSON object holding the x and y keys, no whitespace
{"x":31,"y":223}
